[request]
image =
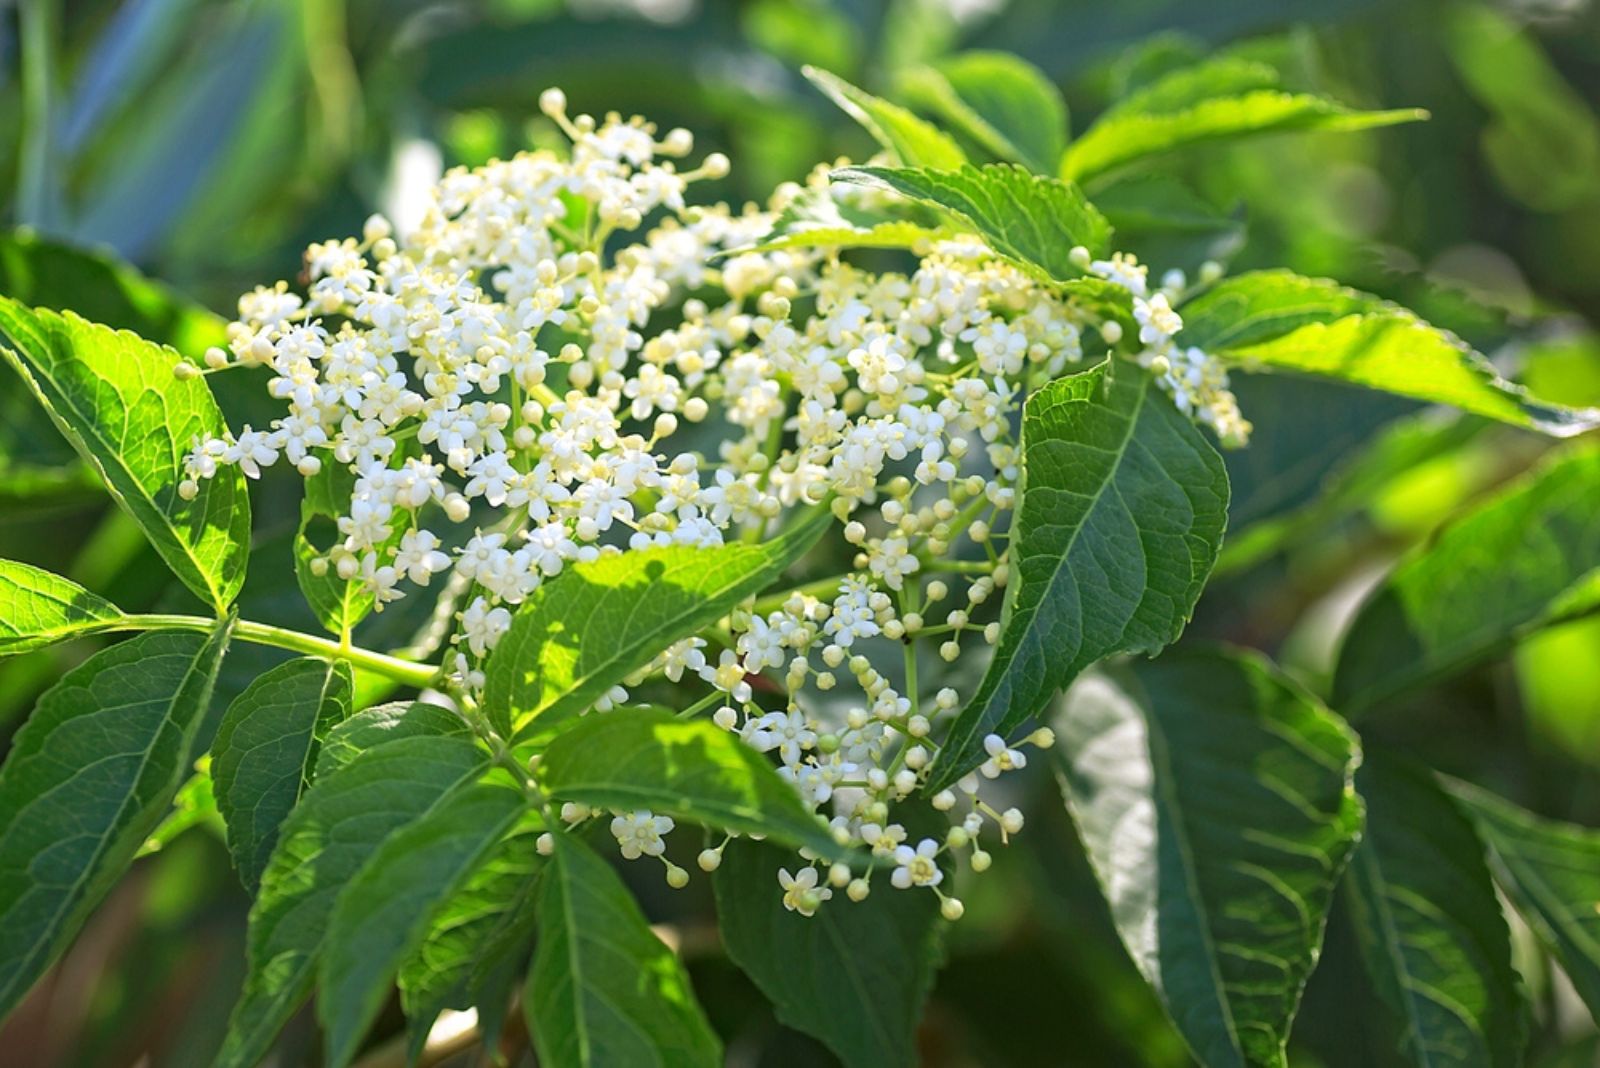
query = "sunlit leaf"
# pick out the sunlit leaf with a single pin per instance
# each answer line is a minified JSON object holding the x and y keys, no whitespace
{"x":38,"y":608}
{"x":1033,"y":221}
{"x":1279,"y":321}
{"x":691,"y":769}
{"x":117,"y":400}
{"x":584,"y":631}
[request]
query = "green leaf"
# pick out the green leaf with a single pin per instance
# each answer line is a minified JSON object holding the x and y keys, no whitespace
{"x":1003,"y":103}
{"x":473,"y":952}
{"x":35,"y":464}
{"x":345,"y":816}
{"x":1551,"y":872}
{"x":854,"y":974}
{"x":382,"y":915}
{"x":1215,"y":801}
{"x":1279,"y":321}
{"x":916,"y":142}
{"x":265,"y":749}
{"x":1183,"y":110}
{"x":1526,"y":559}
{"x":38,"y":609}
{"x":372,"y":727}
{"x":1121,"y":517}
{"x":1431,"y":931}
{"x":116,"y":399}
{"x":584,"y":631}
{"x":1162,"y":220}
{"x":816,"y":218}
{"x":691,"y":769}
{"x":604,"y":990}
{"x":1033,"y":221}
{"x":88,"y":778}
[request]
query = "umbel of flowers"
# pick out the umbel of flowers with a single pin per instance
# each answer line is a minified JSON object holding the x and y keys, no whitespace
{"x":527,"y":364}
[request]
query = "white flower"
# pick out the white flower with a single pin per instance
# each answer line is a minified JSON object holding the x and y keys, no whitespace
{"x":800,"y":891}
{"x":917,"y":867}
{"x":419,"y":558}
{"x":1000,"y":757}
{"x":640,"y":833}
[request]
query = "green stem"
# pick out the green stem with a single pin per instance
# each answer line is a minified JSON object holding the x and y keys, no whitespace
{"x":403,"y":671}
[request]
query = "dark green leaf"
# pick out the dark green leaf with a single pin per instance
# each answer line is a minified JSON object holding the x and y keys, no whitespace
{"x":265,"y":749}
{"x":117,"y":400}
{"x":604,"y":990}
{"x":1431,"y":930}
{"x":1161,"y":220}
{"x":1033,"y":221}
{"x":1279,"y":321}
{"x":916,"y":142}
{"x":596,"y":623}
{"x":345,"y":816}
{"x":384,"y":913}
{"x":1003,"y":103}
{"x":472,"y":954}
{"x":854,"y":974}
{"x":1551,"y":872}
{"x":385,"y":723}
{"x":1526,"y":559}
{"x":1216,"y":804}
{"x":1121,"y":516}
{"x":38,"y":609}
{"x":88,"y":778}
{"x":691,"y":769}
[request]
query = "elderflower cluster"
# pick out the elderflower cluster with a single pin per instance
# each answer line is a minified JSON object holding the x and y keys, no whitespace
{"x":535,"y":377}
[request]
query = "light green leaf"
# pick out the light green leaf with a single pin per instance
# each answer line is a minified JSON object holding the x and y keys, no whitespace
{"x":916,"y":142}
{"x":1186,"y":86}
{"x":1551,"y":872}
{"x":854,"y":974}
{"x":1150,"y":124}
{"x":265,"y":749}
{"x":1033,"y":221}
{"x":1122,"y":512}
{"x":345,"y":816}
{"x":604,"y":990}
{"x":382,"y":915}
{"x":88,"y":778}
{"x":1279,"y":321}
{"x":473,"y":952}
{"x":1216,"y":804}
{"x":1526,"y":559}
{"x":1003,"y":103}
{"x":584,"y":631}
{"x":116,"y":399}
{"x":38,"y":609}
{"x":819,"y":218}
{"x":1431,"y":931}
{"x":691,"y":769}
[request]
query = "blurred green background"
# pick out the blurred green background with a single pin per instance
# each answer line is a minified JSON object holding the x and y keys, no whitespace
{"x":209,"y":142}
